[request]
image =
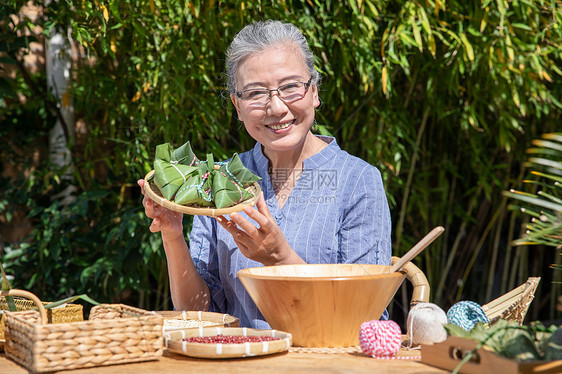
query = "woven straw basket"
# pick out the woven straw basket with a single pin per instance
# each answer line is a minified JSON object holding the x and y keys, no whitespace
{"x":513,"y":305}
{"x":68,"y":313}
{"x":114,"y":334}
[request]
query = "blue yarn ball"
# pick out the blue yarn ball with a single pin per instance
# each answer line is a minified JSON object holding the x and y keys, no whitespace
{"x":466,"y":314}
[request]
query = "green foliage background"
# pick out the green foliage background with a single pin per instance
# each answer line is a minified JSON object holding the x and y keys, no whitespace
{"x":442,"y":96}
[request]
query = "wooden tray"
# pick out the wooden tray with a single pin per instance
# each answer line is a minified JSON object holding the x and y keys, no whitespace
{"x":173,"y":341}
{"x":448,"y":355}
{"x":208,"y":318}
{"x":153,"y":192}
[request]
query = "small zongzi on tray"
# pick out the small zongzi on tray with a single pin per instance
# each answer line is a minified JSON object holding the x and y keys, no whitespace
{"x":182,"y":182}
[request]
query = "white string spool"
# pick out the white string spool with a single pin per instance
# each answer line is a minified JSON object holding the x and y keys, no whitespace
{"x":425,"y":324}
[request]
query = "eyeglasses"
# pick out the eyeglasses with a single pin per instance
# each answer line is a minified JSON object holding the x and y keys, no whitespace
{"x":288,"y":93}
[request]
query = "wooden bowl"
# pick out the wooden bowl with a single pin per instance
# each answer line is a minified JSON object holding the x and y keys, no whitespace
{"x":321,"y":305}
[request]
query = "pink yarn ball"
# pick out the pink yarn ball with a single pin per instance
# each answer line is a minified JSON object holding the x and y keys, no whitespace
{"x":380,"y":338}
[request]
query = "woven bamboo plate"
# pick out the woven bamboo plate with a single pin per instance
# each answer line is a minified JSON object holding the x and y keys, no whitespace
{"x":177,"y":320}
{"x":173,"y":341}
{"x":153,"y":192}
{"x":513,"y":305}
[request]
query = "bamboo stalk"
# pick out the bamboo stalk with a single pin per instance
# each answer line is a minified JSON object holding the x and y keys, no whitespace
{"x":403,"y":207}
{"x":451,"y":257}
{"x":515,"y":267}
{"x":450,"y":204}
{"x":508,"y":252}
{"x":495,"y":250}
{"x":524,"y":264}
{"x":555,"y":289}
{"x":477,"y":251}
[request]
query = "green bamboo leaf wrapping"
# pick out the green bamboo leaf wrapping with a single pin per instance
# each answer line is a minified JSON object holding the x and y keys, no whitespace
{"x":169,"y":177}
{"x":237,"y":171}
{"x":197,"y":190}
{"x":182,"y":155}
{"x":172,"y":168}
{"x":186,"y":180}
{"x":226,"y":192}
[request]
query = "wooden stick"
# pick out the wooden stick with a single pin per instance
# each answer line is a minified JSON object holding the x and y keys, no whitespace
{"x":422,"y":244}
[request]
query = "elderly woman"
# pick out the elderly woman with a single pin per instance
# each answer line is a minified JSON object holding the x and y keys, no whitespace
{"x":319,"y":203}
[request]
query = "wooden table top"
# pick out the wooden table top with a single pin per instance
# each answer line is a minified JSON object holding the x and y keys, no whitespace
{"x":287,"y":362}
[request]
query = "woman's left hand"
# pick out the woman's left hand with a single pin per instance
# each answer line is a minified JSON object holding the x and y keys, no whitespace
{"x":266,"y":243}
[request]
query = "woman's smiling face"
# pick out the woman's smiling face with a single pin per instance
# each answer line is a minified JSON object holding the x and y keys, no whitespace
{"x":278,"y":126}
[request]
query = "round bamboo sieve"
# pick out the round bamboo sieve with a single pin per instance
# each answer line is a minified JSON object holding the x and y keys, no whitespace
{"x":154,"y":193}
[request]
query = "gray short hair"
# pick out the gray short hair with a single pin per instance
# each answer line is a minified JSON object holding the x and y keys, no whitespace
{"x":257,"y":37}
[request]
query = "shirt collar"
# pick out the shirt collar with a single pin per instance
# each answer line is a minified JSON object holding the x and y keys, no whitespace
{"x":314,"y":161}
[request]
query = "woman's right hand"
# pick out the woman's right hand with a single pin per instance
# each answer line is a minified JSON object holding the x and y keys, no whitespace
{"x":187,"y":288}
{"x":164,"y":220}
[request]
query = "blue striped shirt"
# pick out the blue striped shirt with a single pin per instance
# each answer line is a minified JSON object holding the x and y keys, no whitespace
{"x":337,"y":212}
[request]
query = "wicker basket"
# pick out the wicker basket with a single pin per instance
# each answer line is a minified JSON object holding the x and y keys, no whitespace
{"x":114,"y":334}
{"x":66,"y":313}
{"x":513,"y":305}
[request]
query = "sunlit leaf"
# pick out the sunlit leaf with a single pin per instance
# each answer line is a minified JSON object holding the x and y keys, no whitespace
{"x":467,"y":47}
{"x":534,"y":201}
{"x":509,"y":48}
{"x":384,"y":78}
{"x":416,"y":32}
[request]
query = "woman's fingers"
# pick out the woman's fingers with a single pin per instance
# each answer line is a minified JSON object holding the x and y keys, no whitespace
{"x":150,"y":208}
{"x":262,"y":206}
{"x":261,"y":215}
{"x":243,"y":224}
{"x":140,"y":182}
{"x":232,"y":228}
{"x":227,"y":224}
{"x":155,"y":225}
{"x":164,"y":220}
{"x":237,"y":223}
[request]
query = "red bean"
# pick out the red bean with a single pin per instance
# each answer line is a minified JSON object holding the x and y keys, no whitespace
{"x":229,"y":339}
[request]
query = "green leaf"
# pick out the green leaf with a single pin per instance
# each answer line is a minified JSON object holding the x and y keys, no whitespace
{"x":416,"y":32}
{"x":522,"y":26}
{"x":535,"y":201}
{"x":8,"y":60}
{"x":70,"y":300}
{"x":6,"y":286}
{"x":546,"y":162}
{"x":6,"y":88}
{"x":467,"y":47}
